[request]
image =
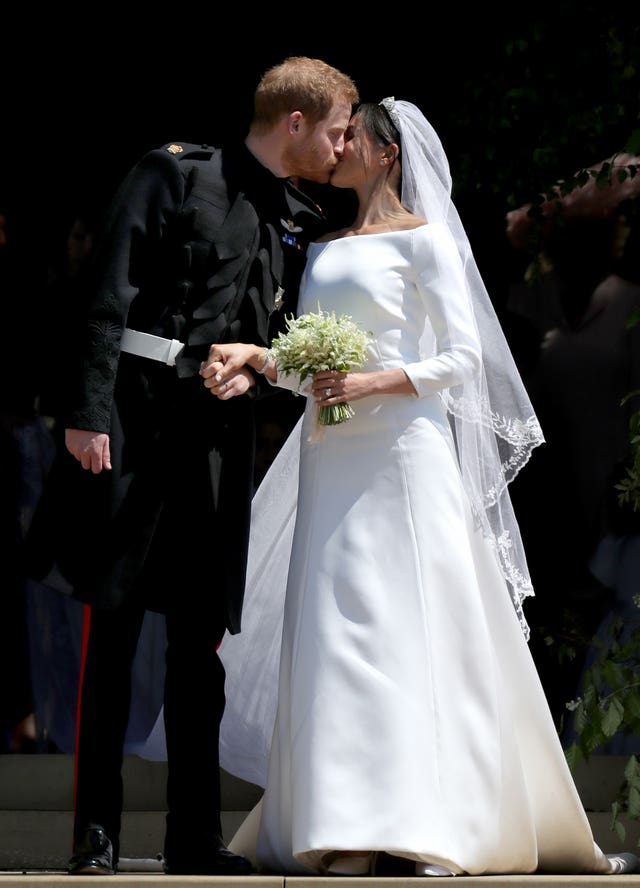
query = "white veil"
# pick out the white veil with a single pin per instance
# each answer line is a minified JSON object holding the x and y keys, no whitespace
{"x":492,"y":418}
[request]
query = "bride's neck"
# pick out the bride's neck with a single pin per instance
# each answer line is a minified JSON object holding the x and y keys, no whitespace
{"x":379,"y":209}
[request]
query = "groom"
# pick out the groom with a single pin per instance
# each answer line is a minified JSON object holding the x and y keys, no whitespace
{"x":149,"y":507}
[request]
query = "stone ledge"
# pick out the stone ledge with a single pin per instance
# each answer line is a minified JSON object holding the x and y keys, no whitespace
{"x":36,"y":818}
{"x":41,"y":839}
{"x":45,"y":783}
{"x":60,"y":880}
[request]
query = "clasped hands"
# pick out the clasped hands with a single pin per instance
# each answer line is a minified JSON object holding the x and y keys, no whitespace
{"x":226,"y":371}
{"x":226,"y":374}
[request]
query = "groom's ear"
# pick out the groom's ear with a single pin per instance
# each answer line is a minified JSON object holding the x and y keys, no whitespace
{"x":294,"y":121}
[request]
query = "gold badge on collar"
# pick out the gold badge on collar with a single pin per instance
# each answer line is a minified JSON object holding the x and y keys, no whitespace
{"x":175,"y":149}
{"x":290,"y":225}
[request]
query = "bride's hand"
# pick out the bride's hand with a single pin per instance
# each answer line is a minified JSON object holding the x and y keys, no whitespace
{"x":332,"y":387}
{"x":232,"y":355}
{"x":225,"y":372}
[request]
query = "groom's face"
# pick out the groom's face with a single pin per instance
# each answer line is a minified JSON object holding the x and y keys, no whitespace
{"x":315,"y":151}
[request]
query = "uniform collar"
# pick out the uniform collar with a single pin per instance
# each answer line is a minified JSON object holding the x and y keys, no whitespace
{"x":277,"y":196}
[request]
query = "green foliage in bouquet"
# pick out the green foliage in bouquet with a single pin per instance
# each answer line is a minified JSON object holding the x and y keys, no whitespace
{"x":321,"y":341}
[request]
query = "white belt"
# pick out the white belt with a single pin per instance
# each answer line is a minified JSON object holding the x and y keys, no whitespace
{"x":148,"y":346}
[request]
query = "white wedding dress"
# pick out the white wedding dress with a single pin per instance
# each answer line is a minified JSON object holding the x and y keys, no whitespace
{"x":410,"y":716}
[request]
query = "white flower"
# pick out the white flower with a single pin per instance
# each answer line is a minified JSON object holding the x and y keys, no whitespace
{"x":321,"y":341}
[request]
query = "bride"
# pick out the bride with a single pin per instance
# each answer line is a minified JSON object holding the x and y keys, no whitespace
{"x":388,"y":703}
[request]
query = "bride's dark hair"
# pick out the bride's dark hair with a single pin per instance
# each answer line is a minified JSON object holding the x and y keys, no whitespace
{"x":375,"y":119}
{"x":377,"y":123}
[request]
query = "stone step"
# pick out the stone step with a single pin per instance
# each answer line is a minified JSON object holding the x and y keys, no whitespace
{"x":36,"y":809}
{"x":45,"y":783}
{"x":36,"y":800}
{"x":42,"y":839}
{"x":59,"y":880}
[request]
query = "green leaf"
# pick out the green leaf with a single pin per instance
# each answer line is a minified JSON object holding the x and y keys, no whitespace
{"x":580,"y":718}
{"x":592,"y":738}
{"x":633,"y":808}
{"x":632,"y":704}
{"x":590,"y":693}
{"x":612,"y":718}
{"x":616,"y":809}
{"x":614,"y":674}
{"x":620,"y":831}
{"x":632,"y":770}
{"x":573,"y":755}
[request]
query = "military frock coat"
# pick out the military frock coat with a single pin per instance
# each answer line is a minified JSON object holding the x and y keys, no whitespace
{"x":203,"y":245}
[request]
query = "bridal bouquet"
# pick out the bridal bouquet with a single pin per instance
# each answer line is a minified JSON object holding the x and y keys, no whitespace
{"x":321,"y":341}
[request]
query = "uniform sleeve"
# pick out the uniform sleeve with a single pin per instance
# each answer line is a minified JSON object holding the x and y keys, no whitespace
{"x":439,"y":278}
{"x":136,"y":222}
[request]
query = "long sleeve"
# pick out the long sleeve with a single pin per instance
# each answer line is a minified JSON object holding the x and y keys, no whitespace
{"x":137,"y":221}
{"x":439,"y":278}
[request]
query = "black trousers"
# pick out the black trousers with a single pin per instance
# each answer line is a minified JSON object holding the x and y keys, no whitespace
{"x":185,"y":574}
{"x":193,"y":708}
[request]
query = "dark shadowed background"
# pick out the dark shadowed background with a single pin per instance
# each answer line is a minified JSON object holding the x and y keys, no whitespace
{"x":89,"y":89}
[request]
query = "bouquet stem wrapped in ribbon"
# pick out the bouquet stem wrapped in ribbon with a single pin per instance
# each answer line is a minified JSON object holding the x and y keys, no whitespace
{"x":321,"y":341}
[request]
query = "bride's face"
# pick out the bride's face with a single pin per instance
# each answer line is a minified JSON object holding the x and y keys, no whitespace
{"x":360,"y":160}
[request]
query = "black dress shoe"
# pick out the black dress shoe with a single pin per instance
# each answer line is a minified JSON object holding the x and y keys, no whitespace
{"x":93,"y":854}
{"x":212,"y":859}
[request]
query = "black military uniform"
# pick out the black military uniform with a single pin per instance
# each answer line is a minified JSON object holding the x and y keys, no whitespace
{"x":201,"y":245}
